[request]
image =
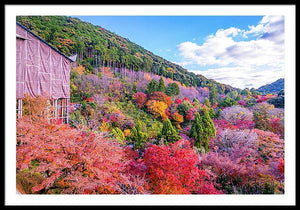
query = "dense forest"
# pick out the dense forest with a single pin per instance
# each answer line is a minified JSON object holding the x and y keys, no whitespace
{"x":97,"y":47}
{"x":139,"y":124}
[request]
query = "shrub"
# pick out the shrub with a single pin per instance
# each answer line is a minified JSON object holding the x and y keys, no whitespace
{"x":235,"y":113}
{"x":74,"y":161}
{"x":168,"y":132}
{"x":137,"y":136}
{"x":172,"y":169}
{"x":35,"y":107}
{"x":157,"y":108}
{"x":184,"y":107}
{"x":140,"y":98}
{"x":227,"y":102}
{"x":160,"y":96}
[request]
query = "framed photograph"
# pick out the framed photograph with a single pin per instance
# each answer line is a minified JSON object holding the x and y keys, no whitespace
{"x":150,"y":105}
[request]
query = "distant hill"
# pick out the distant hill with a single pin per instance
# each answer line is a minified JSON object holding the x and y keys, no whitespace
{"x":273,"y":87}
{"x":97,"y":47}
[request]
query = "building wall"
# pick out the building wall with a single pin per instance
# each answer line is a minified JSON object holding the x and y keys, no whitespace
{"x":41,"y":70}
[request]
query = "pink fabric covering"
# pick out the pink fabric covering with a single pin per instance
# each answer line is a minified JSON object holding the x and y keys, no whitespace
{"x":40,"y":69}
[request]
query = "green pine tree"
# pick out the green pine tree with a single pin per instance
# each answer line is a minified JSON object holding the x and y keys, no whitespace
{"x":152,"y":86}
{"x":202,"y":130}
{"x":168,"y":132}
{"x":206,"y":102}
{"x":161,"y":85}
{"x":212,"y":113}
{"x":137,"y":136}
{"x":172,"y":89}
{"x":209,"y":129}
{"x":213,"y":95}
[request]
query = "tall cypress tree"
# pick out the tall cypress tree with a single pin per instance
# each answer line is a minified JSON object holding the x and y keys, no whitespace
{"x":152,"y":86}
{"x":161,"y":85}
{"x":209,"y":129}
{"x":206,"y":102}
{"x":213,"y":95}
{"x":168,"y":132}
{"x":202,"y":130}
{"x":197,"y":130}
{"x":137,"y":136}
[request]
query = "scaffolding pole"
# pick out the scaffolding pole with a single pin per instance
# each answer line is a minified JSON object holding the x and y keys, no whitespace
{"x":19,"y":107}
{"x":67,"y":112}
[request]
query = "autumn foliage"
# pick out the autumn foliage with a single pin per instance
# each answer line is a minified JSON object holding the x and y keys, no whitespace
{"x":71,"y":160}
{"x":172,"y":169}
{"x":121,"y":140}
{"x":140,"y":98}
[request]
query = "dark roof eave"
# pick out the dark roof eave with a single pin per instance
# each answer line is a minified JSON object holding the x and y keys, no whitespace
{"x":19,"y":24}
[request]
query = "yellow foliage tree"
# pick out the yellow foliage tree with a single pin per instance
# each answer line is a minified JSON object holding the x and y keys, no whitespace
{"x":157,"y":108}
{"x":79,"y":69}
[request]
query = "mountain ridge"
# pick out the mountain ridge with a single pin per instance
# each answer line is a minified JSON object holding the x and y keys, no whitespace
{"x":273,"y":87}
{"x":97,"y":46}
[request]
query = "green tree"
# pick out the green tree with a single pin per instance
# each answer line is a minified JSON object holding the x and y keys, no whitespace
{"x":246,"y":92}
{"x":184,"y":107}
{"x":161,"y":85}
{"x":197,"y":103}
{"x":169,"y":133}
{"x":262,"y":120}
{"x":118,"y":133}
{"x":226,"y":102}
{"x":137,"y":136}
{"x":206,"y":102}
{"x":152,"y":86}
{"x":213,"y":94}
{"x":202,"y":130}
{"x":253,"y":91}
{"x":233,"y":94}
{"x":172,"y":89}
{"x":251,"y":102}
{"x":212,"y":113}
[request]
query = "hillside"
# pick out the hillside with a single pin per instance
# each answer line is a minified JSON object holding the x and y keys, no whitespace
{"x":133,"y":129}
{"x":273,"y":87}
{"x":97,"y":47}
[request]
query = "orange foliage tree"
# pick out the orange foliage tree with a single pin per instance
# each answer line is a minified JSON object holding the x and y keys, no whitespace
{"x":160,"y":96}
{"x":157,"y":108}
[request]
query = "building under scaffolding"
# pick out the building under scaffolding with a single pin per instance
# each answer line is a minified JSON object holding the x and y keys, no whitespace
{"x":42,"y":70}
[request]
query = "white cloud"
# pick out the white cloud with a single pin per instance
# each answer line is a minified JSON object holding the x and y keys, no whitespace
{"x":242,"y":76}
{"x":263,"y":54}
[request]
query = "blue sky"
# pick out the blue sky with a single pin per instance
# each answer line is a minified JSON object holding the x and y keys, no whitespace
{"x":229,"y":49}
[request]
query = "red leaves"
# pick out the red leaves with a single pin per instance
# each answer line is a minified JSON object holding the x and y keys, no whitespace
{"x":46,"y":183}
{"x":281,"y":166}
{"x":140,"y":98}
{"x":177,"y":101}
{"x":172,"y":169}
{"x":74,"y":155}
{"x":89,"y":100}
{"x":37,"y":188}
{"x":160,"y":96}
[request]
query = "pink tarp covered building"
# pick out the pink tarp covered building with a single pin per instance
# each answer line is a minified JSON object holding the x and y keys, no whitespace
{"x":41,"y":70}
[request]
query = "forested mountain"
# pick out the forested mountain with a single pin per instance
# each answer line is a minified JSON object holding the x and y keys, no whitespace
{"x":273,"y":87}
{"x":97,"y":47}
{"x":134,"y":129}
